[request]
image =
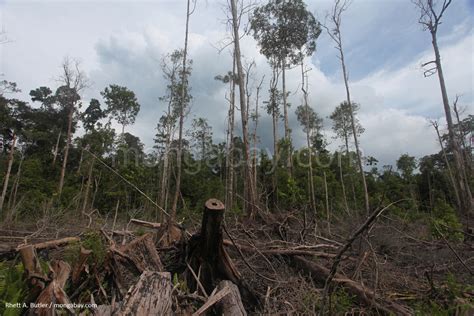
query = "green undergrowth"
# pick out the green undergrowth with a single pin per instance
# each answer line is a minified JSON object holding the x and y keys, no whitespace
{"x":13,"y":288}
{"x":92,"y":240}
{"x":447,"y":299}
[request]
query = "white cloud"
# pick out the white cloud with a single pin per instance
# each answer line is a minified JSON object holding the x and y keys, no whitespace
{"x":122,"y":42}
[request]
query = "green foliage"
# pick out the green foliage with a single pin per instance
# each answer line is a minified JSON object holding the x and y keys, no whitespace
{"x":122,"y":104}
{"x":291,"y":195}
{"x":449,"y":300}
{"x":92,"y":241}
{"x":341,"y":301}
{"x":13,"y":288}
{"x":180,"y":283}
{"x":445,"y":222}
{"x":285,"y":29}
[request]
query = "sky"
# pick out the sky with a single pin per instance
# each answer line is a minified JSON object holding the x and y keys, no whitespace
{"x":123,"y":42}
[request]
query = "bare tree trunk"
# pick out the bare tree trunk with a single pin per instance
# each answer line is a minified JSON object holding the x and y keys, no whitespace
{"x":12,"y":200}
{"x":448,"y":165}
{"x":7,"y":175}
{"x":230,"y":141}
{"x":464,"y":190}
{"x":80,"y":162}
{"x":88,"y":186}
{"x":464,"y":147}
{"x":327,"y":202}
{"x":56,"y":148}
{"x":342,"y":184}
{"x":251,"y":203}
{"x":289,"y":164}
{"x":274,"y":110}
{"x":184,"y":85}
{"x":431,"y":19}
{"x":255,"y":138}
{"x":164,"y":180}
{"x":336,"y":36}
{"x":304,"y":87}
{"x":66,"y":151}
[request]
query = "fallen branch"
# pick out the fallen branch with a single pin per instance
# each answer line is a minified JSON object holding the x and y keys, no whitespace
{"x":145,"y":223}
{"x":346,"y":246}
{"x":363,"y":294}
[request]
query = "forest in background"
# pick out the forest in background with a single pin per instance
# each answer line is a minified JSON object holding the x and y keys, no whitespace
{"x":62,"y":160}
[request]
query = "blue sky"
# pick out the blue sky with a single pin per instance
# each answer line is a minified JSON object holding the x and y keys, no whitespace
{"x":121,"y":42}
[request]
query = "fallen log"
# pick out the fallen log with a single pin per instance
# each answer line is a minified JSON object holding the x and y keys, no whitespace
{"x":365,"y":295}
{"x":145,"y":223}
{"x":53,"y":243}
{"x":280,"y":251}
{"x":150,"y":296}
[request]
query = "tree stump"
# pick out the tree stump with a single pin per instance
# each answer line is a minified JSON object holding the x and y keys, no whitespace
{"x":207,"y":257}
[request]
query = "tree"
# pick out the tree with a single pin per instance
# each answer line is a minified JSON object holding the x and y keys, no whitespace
{"x":201,"y":133}
{"x":273,"y":108}
{"x":92,"y":115}
{"x":431,"y":18}
{"x":67,"y":95}
{"x":122,"y":104}
{"x":342,"y":125}
{"x":311,"y":123}
{"x":335,"y":33}
{"x":183,"y":103}
{"x":8,"y":87}
{"x":251,"y":196}
{"x":171,"y":65}
{"x":231,"y":79}
{"x":406,"y":164}
{"x":286,"y":31}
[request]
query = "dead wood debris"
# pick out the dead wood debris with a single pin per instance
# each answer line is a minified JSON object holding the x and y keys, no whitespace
{"x":262,"y":268}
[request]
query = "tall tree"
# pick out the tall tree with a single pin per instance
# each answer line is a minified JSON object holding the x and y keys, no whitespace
{"x":73,"y":81}
{"x":251,"y":196}
{"x":311,"y":123}
{"x":431,"y":19}
{"x":183,"y":98}
{"x":231,"y":79}
{"x":285,"y":31}
{"x":201,"y":134}
{"x":342,"y":124}
{"x":273,"y":108}
{"x":335,"y":33}
{"x":171,"y":67}
{"x":122,"y":104}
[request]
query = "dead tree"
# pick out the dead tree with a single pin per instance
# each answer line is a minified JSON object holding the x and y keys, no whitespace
{"x":184,"y":88}
{"x":73,"y":80}
{"x":335,"y":33}
{"x":250,"y":190}
{"x":430,"y":18}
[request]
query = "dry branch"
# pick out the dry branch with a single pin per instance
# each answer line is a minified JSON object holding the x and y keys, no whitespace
{"x":365,"y":295}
